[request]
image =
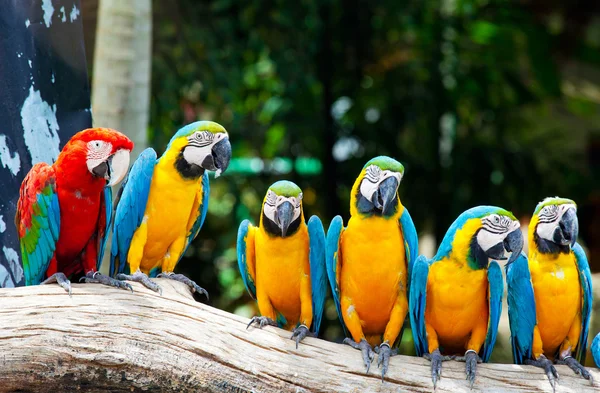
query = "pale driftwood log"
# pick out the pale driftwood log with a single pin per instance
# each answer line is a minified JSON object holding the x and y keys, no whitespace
{"x":109,"y":340}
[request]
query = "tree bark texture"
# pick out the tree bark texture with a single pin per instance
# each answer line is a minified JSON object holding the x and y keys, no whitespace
{"x":108,"y":340}
{"x":122,"y":63}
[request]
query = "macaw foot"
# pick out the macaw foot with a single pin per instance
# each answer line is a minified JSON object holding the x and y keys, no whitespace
{"x":576,"y":367}
{"x":299,"y":333}
{"x":142,"y":278}
{"x":262,"y":322}
{"x":436,"y":360}
{"x":367,"y":352}
{"x":60,"y":279}
{"x":385,"y":353}
{"x":471,"y":359}
{"x":543,"y":362}
{"x":100,"y":278}
{"x":181,"y":278}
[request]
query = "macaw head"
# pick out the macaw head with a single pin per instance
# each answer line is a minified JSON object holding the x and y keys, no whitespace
{"x":282,"y":209}
{"x":554,"y":226}
{"x":200,"y":146}
{"x":375,"y":191}
{"x":105,"y":152}
{"x":483,"y":233}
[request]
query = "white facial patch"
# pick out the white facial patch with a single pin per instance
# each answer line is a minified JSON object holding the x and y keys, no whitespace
{"x":494,"y":229}
{"x":97,"y":152}
{"x":273,"y":201}
{"x":374,"y":176}
{"x":549,"y":218}
{"x":200,"y":145}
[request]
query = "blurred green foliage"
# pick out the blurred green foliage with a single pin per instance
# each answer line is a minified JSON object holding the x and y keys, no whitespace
{"x":483,"y":101}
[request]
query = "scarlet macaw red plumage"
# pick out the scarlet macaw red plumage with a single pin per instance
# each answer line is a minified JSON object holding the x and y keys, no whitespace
{"x":64,"y":209}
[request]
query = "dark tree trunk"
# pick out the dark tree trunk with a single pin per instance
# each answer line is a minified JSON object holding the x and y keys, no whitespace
{"x":45,"y":99}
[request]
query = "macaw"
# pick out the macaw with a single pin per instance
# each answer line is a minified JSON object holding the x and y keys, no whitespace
{"x":369,"y":262}
{"x":282,"y":263}
{"x":162,"y":204}
{"x":596,"y":350}
{"x":550,"y":293}
{"x":456,"y":297}
{"x":64,"y":209}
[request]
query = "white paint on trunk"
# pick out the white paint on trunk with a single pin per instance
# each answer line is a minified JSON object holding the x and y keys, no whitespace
{"x":2,"y":224}
{"x":40,"y":128}
{"x":48,"y":11}
{"x":63,"y":13}
{"x":74,"y":14}
{"x":13,"y":263}
{"x":8,"y":160}
{"x":27,"y":23}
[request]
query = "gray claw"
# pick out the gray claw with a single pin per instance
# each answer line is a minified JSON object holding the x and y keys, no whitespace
{"x":367,"y":352}
{"x":181,"y":278}
{"x":436,"y":359}
{"x":97,"y":277}
{"x":385,"y":352}
{"x":544,"y":363}
{"x":299,"y":333}
{"x":261,"y":322}
{"x":61,"y":280}
{"x":471,"y":359}
{"x":142,"y":278}
{"x":576,"y":367}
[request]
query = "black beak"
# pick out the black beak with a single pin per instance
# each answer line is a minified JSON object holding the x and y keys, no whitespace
{"x":386,"y":193}
{"x":103,"y":169}
{"x":514,"y":243}
{"x":219,"y":157}
{"x":285,"y":214}
{"x":568,"y":229}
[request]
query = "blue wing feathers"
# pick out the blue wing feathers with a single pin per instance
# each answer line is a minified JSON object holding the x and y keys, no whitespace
{"x":131,"y":208}
{"x":202,"y":210}
{"x":585,"y":278}
{"x":596,"y":350}
{"x":521,"y":308}
{"x":496,"y":290}
{"x":411,"y":242}
{"x":37,"y":251}
{"x":417,"y":303}
{"x":242,"y":258}
{"x":333,"y":263}
{"x":108,"y":206}
{"x":318,"y":269}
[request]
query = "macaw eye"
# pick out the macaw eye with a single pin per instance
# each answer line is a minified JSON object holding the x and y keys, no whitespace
{"x":271,"y":198}
{"x":497,"y":220}
{"x":96,"y":145}
{"x":298,"y":200}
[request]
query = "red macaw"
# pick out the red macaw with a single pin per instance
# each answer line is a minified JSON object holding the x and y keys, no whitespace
{"x":64,"y":209}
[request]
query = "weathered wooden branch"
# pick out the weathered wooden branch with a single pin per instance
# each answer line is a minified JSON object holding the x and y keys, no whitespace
{"x":109,"y":340}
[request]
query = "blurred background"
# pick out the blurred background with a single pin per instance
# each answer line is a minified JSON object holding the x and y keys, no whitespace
{"x":483,"y":101}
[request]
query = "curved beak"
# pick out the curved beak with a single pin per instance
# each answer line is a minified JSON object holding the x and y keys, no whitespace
{"x":386,"y":193}
{"x":114,"y":169}
{"x":219,"y":158}
{"x":513,"y":243}
{"x":568,"y":229}
{"x":285,"y":214}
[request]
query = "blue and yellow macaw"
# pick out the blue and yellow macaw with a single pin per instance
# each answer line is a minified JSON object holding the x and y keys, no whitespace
{"x":369,"y":262}
{"x":596,"y":350}
{"x":282,"y":263}
{"x":550,"y":293}
{"x":456,"y":297}
{"x":163,"y":203}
